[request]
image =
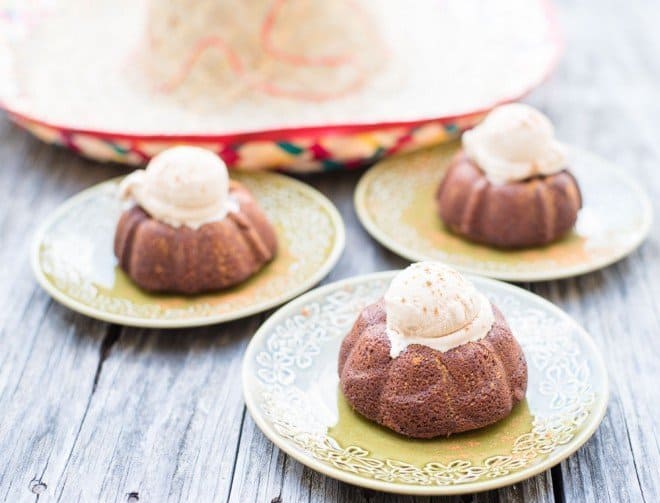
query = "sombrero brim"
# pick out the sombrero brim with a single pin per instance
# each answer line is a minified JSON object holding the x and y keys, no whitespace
{"x":434,"y":87}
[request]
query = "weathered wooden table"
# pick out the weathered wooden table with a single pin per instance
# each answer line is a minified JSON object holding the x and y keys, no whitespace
{"x":98,"y":412}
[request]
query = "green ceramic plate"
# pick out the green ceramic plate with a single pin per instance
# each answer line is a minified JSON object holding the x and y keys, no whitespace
{"x":73,"y":260}
{"x":290,"y":386}
{"x":395,"y":203}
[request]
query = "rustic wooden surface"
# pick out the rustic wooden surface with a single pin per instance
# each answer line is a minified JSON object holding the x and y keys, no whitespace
{"x":97,"y":412}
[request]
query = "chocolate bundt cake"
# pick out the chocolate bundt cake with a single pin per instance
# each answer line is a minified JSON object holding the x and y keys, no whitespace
{"x":190,"y":230}
{"x":531,"y":212}
{"x":162,"y":258}
{"x":509,"y":186}
{"x":430,"y":387}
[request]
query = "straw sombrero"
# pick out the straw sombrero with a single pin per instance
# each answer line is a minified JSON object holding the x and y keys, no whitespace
{"x":293,"y":84}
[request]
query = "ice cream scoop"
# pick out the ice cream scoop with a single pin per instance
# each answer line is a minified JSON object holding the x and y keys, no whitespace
{"x":513,"y":143}
{"x":431,"y":304}
{"x":182,"y":186}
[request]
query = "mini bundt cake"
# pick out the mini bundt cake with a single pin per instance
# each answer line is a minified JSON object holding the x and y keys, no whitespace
{"x":189,"y":229}
{"x":509,"y":186}
{"x":433,"y":357}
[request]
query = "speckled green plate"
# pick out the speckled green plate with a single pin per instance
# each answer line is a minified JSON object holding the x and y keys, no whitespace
{"x":290,"y":386}
{"x":73,"y":259}
{"x":395,"y":203}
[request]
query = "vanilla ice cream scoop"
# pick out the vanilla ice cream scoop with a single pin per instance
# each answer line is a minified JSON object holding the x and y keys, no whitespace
{"x":431,"y":304}
{"x":514,"y":142}
{"x":182,"y":186}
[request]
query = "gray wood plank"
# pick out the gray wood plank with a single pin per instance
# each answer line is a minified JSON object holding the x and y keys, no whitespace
{"x":48,"y":356}
{"x":165,"y":418}
{"x":604,"y":98}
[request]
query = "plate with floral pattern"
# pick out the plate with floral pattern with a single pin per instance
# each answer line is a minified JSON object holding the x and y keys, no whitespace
{"x":395,"y":202}
{"x":291,"y":389}
{"x":73,"y":259}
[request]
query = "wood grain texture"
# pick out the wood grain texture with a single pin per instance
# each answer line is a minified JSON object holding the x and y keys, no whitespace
{"x":49,"y":357}
{"x":166,"y":417}
{"x":95,"y":412}
{"x":604,"y":98}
